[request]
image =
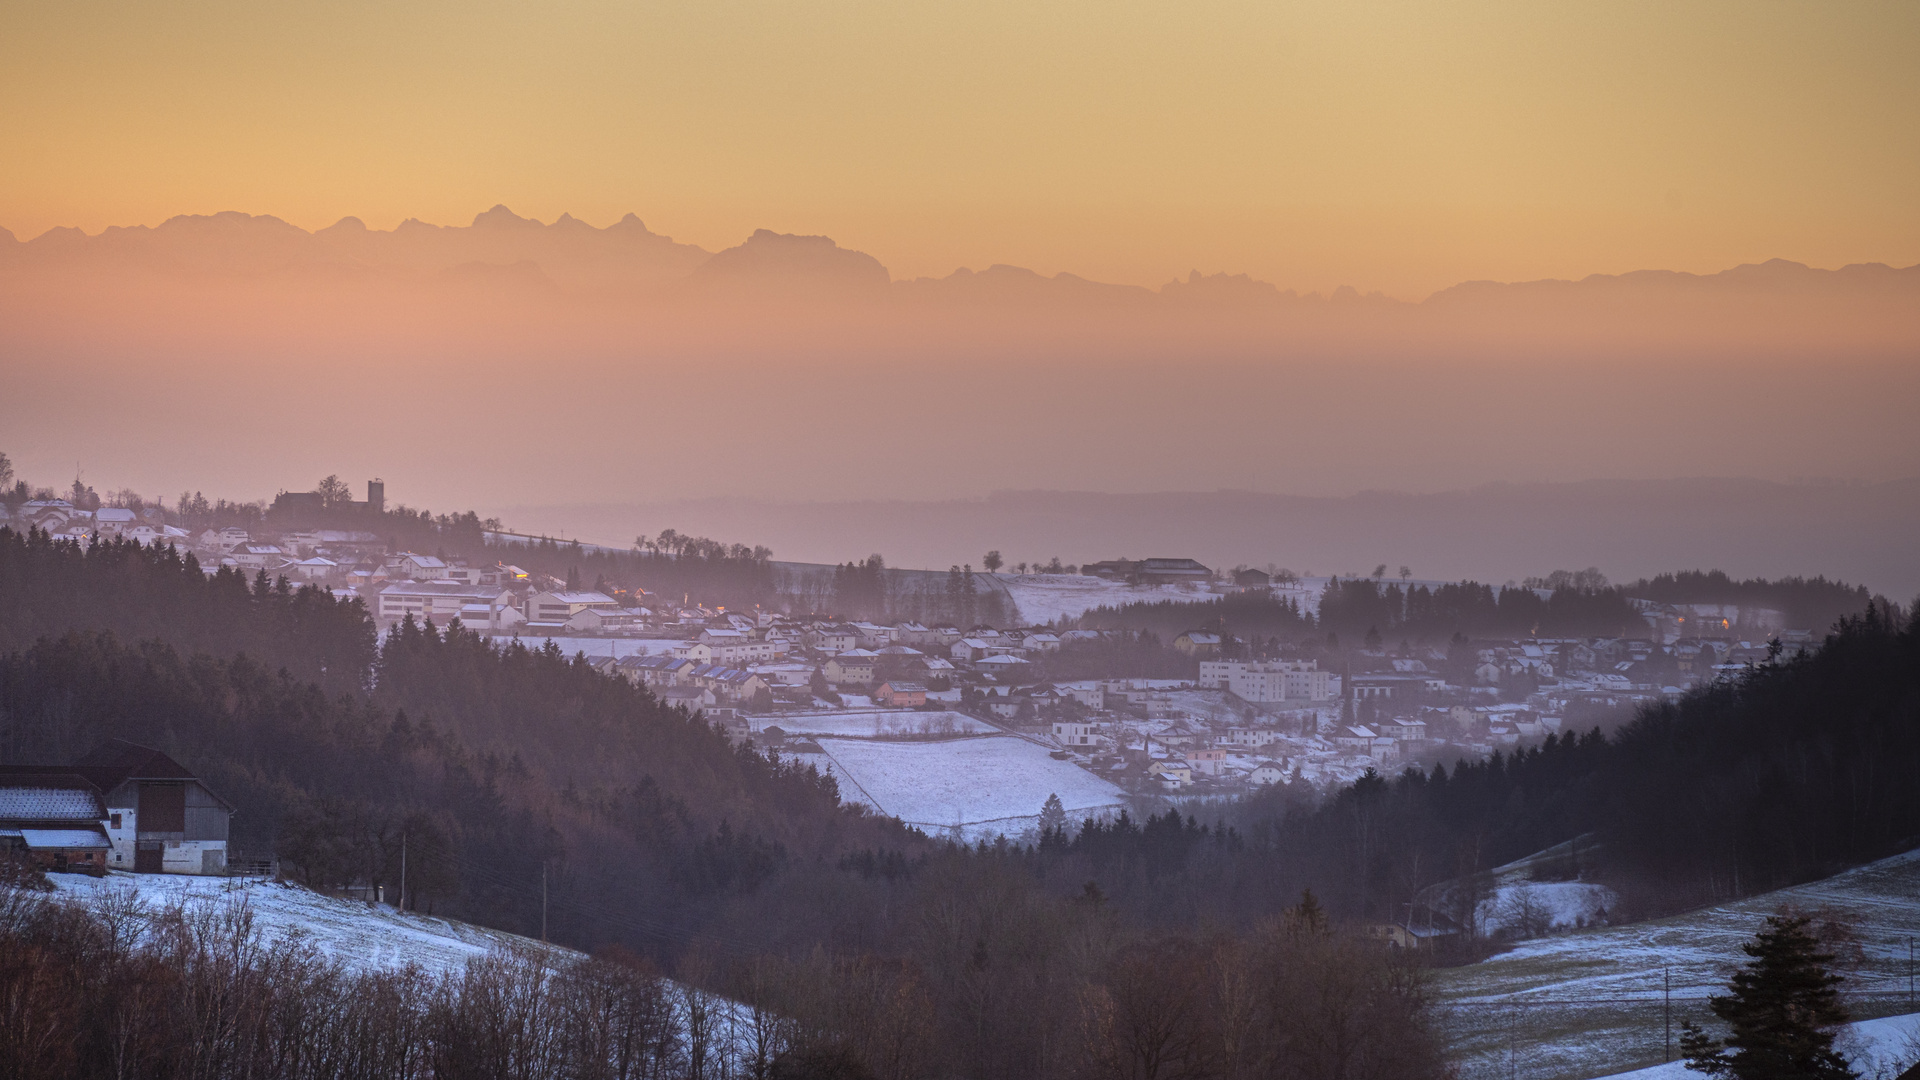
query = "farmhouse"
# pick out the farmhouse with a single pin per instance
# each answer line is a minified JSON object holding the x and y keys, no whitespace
{"x":121,"y":807}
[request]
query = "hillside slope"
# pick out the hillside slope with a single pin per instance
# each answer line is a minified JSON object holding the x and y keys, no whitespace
{"x":360,"y":935}
{"x":1591,"y":1003}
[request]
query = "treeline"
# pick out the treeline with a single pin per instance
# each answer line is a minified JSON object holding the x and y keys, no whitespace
{"x":1131,"y":655}
{"x":869,"y":589}
{"x":1377,"y":611}
{"x":672,"y":565}
{"x":48,"y":588}
{"x":1366,"y":611}
{"x":1808,"y":603}
{"x":1355,"y":607}
{"x":195,"y":990}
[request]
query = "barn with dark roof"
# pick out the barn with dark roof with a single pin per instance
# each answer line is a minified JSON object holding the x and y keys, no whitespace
{"x":121,"y":807}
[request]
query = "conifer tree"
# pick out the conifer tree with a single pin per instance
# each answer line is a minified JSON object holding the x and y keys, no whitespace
{"x":1053,"y":815}
{"x":1783,"y":1010}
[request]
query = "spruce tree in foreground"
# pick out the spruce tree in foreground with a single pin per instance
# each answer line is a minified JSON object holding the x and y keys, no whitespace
{"x":1783,"y":1011}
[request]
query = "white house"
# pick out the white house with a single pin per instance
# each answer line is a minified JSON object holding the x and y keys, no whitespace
{"x":417,"y":567}
{"x":1253,"y":738}
{"x":1074,"y":733}
{"x":1268,"y":680}
{"x":112,"y":520}
{"x":558,"y":607}
{"x":251,"y":556}
{"x":443,"y":601}
{"x":314,"y":569}
{"x":1358,"y":737}
{"x":970,"y":649}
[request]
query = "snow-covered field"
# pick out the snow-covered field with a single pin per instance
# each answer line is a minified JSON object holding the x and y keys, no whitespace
{"x":1879,"y":1050}
{"x":595,"y":646}
{"x":360,"y":935}
{"x":983,"y":786}
{"x":1522,"y":906}
{"x":1590,"y":1002}
{"x":877,"y":723}
{"x":1043,"y":598}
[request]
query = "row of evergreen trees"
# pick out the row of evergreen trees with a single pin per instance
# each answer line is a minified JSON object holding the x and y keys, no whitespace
{"x":1378,"y":610}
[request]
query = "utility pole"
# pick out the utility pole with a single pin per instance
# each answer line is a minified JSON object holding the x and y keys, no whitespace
{"x":403,"y":871}
{"x":543,"y":903}
{"x":1666,"y":973}
{"x":1513,"y":1040}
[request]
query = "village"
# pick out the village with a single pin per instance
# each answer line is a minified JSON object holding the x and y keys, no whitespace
{"x":855,"y":696}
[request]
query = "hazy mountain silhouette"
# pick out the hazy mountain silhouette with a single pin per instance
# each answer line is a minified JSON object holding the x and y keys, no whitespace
{"x":1019,"y":287}
{"x":781,"y":264}
{"x":619,"y":258}
{"x":628,"y":260}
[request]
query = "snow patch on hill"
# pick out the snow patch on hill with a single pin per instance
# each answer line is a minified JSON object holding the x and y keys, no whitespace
{"x":979,"y":787}
{"x":359,"y":935}
{"x":1533,"y":907}
{"x":1877,"y":1048}
{"x":875,"y":723}
{"x":1044,"y":598}
{"x":1591,"y":1002}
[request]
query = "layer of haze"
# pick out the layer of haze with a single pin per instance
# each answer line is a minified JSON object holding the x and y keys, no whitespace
{"x":1862,"y":533}
{"x":1397,"y":146}
{"x":571,"y":371}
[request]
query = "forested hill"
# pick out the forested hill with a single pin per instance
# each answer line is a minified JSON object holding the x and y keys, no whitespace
{"x":493,"y":763}
{"x":1794,"y":771}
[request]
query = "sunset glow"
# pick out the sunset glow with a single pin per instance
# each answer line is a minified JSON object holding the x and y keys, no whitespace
{"x":1399,"y":146}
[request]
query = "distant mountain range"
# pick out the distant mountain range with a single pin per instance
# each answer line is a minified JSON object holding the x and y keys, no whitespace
{"x":627,"y":260}
{"x":568,"y":364}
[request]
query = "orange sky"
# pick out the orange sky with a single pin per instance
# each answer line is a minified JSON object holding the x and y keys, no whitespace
{"x":1398,"y":146}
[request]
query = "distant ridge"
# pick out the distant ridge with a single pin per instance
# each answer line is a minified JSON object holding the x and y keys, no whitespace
{"x":627,"y":255}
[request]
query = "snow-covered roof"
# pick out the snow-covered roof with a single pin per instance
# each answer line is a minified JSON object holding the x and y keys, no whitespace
{"x":48,"y":802}
{"x":453,"y":589}
{"x":582,"y":598}
{"x":44,"y":839}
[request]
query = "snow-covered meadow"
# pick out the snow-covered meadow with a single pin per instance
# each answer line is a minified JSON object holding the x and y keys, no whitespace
{"x":876,"y":723}
{"x":1879,"y":1050}
{"x":1044,"y":598}
{"x":360,"y":935}
{"x":616,"y":647}
{"x":1591,"y":1002}
{"x":980,"y":787}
